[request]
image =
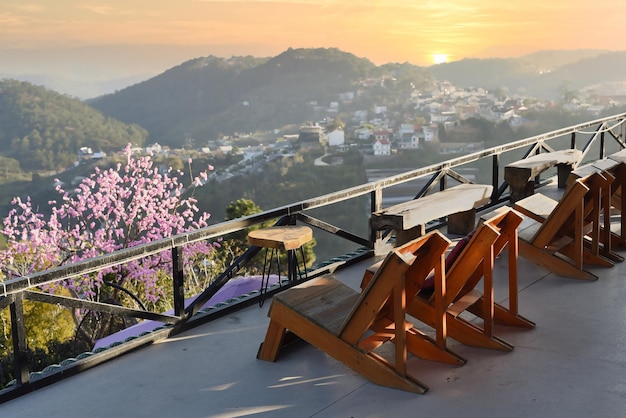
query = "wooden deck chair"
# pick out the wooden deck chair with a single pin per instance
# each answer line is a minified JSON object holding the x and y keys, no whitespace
{"x":596,"y":224}
{"x":616,"y":165}
{"x":598,"y":201}
{"x":352,"y":326}
{"x":473,"y":262}
{"x":557,"y":243}
{"x":506,"y":221}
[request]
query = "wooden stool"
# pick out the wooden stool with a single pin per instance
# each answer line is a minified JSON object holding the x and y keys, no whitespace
{"x":287,"y":238}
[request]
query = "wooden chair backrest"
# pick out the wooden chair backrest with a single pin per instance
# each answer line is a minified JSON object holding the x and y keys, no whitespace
{"x":506,"y":223}
{"x":565,"y":215}
{"x":388,"y":282}
{"x":470,"y":260}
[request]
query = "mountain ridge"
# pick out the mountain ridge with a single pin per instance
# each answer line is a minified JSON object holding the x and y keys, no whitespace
{"x":210,"y":96}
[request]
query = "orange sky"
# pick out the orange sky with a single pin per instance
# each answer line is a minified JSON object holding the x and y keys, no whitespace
{"x":383,"y":31}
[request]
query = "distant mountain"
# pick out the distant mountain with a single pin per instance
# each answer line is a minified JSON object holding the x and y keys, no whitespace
{"x":553,"y":59}
{"x":79,"y":87}
{"x":207,"y":96}
{"x":540,"y":75}
{"x":44,"y":130}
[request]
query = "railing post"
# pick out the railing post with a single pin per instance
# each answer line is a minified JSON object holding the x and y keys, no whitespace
{"x":602,"y":150}
{"x":495,"y":177}
{"x":178,"y":279}
{"x":18,"y":332}
{"x":573,"y":141}
{"x":376,"y":204}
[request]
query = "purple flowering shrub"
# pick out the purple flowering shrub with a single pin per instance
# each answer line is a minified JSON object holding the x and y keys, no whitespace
{"x":111,"y":210}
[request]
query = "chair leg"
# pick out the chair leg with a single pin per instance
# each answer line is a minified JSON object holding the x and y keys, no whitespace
{"x":503,"y":316}
{"x":270,"y":347}
{"x":469,"y":334}
{"x":554,"y":263}
{"x":424,"y":347}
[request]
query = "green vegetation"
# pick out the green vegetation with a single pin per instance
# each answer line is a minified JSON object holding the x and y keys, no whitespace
{"x":44,"y":130}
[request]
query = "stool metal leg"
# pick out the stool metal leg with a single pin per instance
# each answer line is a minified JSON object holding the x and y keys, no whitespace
{"x":265,"y":281}
{"x":306,"y":276}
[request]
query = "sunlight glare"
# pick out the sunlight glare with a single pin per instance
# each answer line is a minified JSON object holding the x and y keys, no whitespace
{"x":440,"y":58}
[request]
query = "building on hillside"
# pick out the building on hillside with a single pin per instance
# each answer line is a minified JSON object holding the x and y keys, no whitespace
{"x":443,"y":117}
{"x":382,"y":147}
{"x":363,"y":133}
{"x":336,"y":137}
{"x":408,"y":141}
{"x":154,"y":149}
{"x":381,"y":135}
{"x":501,"y":113}
{"x":406,"y":128}
{"x":311,"y":133}
{"x":431,"y":133}
{"x":85,"y":154}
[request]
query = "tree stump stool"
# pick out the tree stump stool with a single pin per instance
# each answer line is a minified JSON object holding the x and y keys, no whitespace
{"x":281,"y":238}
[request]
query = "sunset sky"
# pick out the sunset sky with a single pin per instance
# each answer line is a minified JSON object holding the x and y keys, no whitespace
{"x":383,"y":31}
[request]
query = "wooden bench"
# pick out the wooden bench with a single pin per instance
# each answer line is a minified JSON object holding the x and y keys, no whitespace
{"x":458,"y":204}
{"x":521,"y":174}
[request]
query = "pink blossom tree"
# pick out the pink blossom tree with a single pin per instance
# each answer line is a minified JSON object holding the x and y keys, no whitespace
{"x":110,"y":210}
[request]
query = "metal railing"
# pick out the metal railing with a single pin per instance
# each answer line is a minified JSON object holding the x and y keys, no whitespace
{"x":592,"y":135}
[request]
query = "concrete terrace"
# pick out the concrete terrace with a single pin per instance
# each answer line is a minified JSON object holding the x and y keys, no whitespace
{"x":573,"y":364}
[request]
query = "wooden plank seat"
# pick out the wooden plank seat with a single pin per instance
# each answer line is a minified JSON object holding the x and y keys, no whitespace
{"x":458,"y":203}
{"x":520,"y":175}
{"x":464,"y":270}
{"x":357,"y":327}
{"x":557,"y":242}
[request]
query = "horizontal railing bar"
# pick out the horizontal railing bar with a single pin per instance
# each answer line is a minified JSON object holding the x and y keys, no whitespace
{"x":342,"y":233}
{"x":99,"y":307}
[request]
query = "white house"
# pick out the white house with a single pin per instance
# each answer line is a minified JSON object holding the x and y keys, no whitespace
{"x":430,"y":132}
{"x":336,"y":137}
{"x":382,"y":147}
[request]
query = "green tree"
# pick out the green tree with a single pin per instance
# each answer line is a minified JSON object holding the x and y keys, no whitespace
{"x":237,"y":243}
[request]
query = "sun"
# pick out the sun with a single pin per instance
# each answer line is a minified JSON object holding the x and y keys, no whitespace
{"x":440,"y":58}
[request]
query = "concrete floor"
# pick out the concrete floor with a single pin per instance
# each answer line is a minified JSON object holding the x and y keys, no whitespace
{"x":573,"y":364}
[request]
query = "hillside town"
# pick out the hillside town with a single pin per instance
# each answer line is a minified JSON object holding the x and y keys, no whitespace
{"x":418,"y":120}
